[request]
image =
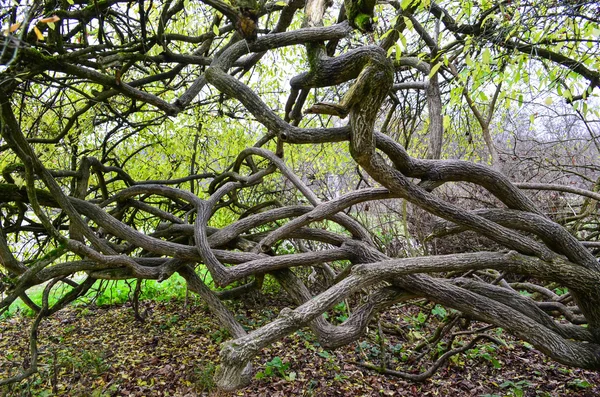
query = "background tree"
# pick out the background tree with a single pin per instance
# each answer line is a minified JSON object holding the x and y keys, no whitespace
{"x":143,"y":139}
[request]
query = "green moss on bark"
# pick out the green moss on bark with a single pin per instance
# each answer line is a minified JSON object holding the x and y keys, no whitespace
{"x":360,"y":14}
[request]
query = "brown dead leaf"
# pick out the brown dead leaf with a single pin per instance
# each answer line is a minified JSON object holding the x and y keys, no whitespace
{"x":39,"y":34}
{"x":52,"y":19}
{"x":13,"y":28}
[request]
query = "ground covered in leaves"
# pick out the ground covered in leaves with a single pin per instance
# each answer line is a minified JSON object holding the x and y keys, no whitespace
{"x":103,"y":351}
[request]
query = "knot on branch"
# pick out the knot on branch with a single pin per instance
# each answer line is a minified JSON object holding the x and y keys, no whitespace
{"x":289,"y":314}
{"x":360,"y":270}
{"x":247,"y":23}
{"x":230,"y":352}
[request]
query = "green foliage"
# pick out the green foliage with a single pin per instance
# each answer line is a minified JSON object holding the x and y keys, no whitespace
{"x":580,"y":384}
{"x":561,"y":291}
{"x":203,"y":376}
{"x":369,"y":349}
{"x":331,"y":364}
{"x":487,"y":352}
{"x":439,"y":311}
{"x":219,"y":335}
{"x":105,"y":293}
{"x":363,"y":22}
{"x":339,"y":313}
{"x":516,"y":388}
{"x":276,"y":367}
{"x":360,"y":14}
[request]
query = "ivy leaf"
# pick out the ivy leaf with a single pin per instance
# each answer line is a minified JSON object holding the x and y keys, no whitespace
{"x":215,"y":30}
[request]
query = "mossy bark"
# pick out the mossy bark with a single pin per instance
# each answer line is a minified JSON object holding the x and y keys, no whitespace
{"x":360,"y":14}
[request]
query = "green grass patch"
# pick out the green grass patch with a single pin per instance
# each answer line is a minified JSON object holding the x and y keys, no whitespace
{"x":106,"y":292}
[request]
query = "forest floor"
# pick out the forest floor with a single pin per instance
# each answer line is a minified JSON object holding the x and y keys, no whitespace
{"x":103,"y":351}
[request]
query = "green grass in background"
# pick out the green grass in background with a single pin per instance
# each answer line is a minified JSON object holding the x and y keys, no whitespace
{"x":105,"y":292}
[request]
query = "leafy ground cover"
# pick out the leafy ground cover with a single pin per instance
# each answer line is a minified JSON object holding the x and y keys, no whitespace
{"x":105,"y":292}
{"x":91,"y":350}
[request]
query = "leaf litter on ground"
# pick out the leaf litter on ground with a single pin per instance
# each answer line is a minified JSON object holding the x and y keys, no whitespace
{"x":103,"y":351}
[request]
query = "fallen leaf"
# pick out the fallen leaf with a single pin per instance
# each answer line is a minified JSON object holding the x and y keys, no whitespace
{"x":52,"y":19}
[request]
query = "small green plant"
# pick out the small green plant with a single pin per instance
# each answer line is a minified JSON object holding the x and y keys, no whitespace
{"x":69,"y":329}
{"x":580,"y":384}
{"x":342,"y":312}
{"x":340,"y":378}
{"x":487,"y":353}
{"x":219,"y":335}
{"x":439,"y":311}
{"x":330,"y":361}
{"x":516,"y":388}
{"x":85,"y":361}
{"x":85,"y":312}
{"x":397,"y":348}
{"x":415,"y":322}
{"x":561,"y":291}
{"x":203,"y":377}
{"x":368,"y":349}
{"x":276,"y":367}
